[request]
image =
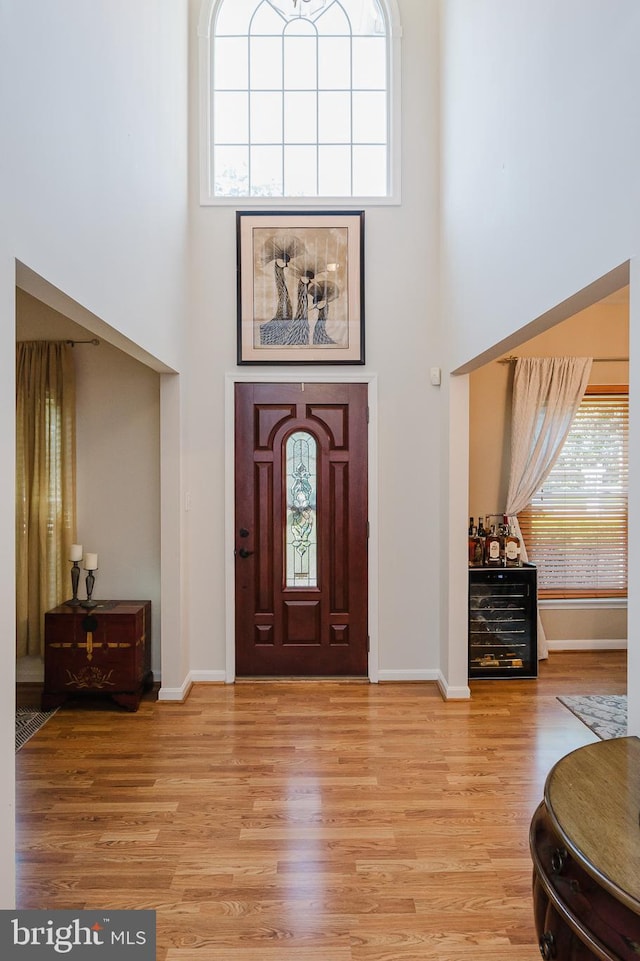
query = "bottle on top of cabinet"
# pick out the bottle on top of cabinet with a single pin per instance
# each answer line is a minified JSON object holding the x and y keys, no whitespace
{"x":476,"y":546}
{"x":512,"y":546}
{"x":493,"y":548}
{"x":482,"y":535}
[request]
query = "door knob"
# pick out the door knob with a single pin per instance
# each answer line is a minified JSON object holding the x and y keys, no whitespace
{"x":243,"y":552}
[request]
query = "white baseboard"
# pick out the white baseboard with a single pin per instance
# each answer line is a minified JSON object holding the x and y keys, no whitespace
{"x":193,"y":677}
{"x":175,"y":693}
{"x":207,"y":677}
{"x":613,"y":644}
{"x":409,"y":675}
{"x":448,"y":692}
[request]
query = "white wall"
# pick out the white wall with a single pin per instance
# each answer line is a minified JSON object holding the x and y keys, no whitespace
{"x":540,"y":147}
{"x":541,"y":176}
{"x":95,"y":165}
{"x":118,"y":469}
{"x":540,"y":179}
{"x":401,"y":298}
{"x":93,"y":199}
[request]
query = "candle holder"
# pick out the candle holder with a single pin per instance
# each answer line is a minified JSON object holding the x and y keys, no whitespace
{"x":75,"y":579}
{"x":90,"y":581}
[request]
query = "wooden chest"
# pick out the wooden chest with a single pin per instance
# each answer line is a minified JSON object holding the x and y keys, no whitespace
{"x":104,"y":650}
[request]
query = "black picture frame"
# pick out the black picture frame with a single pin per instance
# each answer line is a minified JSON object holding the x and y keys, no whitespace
{"x":300,"y":287}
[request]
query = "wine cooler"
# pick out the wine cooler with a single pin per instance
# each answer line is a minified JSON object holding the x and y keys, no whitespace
{"x":503,"y":622}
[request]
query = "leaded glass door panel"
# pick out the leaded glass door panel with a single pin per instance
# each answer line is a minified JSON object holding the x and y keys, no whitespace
{"x":301,"y":530}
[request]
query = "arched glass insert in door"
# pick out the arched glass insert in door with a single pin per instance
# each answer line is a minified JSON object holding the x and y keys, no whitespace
{"x":301,"y":522}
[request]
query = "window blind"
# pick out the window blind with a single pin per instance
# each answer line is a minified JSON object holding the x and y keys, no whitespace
{"x":575,"y":529}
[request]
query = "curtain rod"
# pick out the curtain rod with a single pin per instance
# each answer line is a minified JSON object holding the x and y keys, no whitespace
{"x":94,"y":341}
{"x":596,"y":360}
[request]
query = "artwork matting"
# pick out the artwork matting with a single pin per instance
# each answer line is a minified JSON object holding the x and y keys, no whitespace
{"x":300,"y":287}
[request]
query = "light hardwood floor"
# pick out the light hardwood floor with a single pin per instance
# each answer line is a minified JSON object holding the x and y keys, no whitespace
{"x":304,"y":821}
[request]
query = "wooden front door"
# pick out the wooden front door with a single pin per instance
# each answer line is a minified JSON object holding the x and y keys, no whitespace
{"x":301,"y":530}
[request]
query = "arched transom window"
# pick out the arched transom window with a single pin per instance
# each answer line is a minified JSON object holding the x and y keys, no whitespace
{"x":298,"y":99}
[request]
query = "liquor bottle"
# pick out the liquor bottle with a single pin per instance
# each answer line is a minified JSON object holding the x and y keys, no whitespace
{"x":475,"y":548}
{"x":492,"y":545}
{"x":478,"y":555}
{"x":482,"y":535}
{"x":502,"y":532}
{"x":512,"y":548}
{"x":470,"y":526}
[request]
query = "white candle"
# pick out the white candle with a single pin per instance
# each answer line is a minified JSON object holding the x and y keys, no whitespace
{"x":75,"y":554}
{"x":90,"y":562}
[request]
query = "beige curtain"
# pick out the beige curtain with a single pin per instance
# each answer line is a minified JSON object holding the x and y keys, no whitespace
{"x":547,"y":392}
{"x":45,"y":485}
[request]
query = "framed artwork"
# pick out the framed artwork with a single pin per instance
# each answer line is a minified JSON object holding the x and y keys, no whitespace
{"x":300,"y":287}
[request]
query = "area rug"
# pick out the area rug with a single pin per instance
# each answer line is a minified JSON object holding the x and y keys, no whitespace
{"x":28,"y":722}
{"x":604,"y":714}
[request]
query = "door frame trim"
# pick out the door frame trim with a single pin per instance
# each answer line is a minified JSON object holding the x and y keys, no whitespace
{"x":296,"y":377}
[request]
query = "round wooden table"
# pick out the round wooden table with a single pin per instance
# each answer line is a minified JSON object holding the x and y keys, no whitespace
{"x":585,"y":846}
